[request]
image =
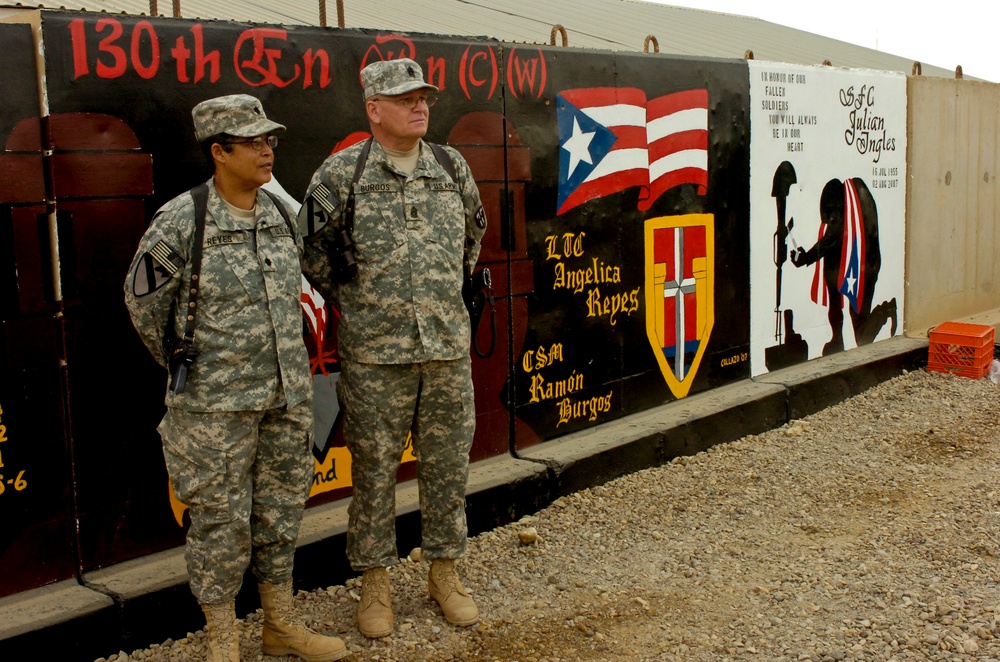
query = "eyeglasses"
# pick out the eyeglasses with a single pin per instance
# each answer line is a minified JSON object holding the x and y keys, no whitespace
{"x":257,"y":143}
{"x":411,"y":102}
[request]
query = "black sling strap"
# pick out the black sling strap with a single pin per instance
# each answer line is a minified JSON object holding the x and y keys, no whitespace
{"x":444,"y":159}
{"x":281,"y":209}
{"x":358,"y":169}
{"x":181,"y":354}
{"x":200,"y":196}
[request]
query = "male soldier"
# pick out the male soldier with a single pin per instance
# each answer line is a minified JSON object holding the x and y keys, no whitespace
{"x":404,"y":331}
{"x":236,"y":435}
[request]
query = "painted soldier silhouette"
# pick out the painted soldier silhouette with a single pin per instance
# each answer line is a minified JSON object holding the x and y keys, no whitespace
{"x":848,"y":259}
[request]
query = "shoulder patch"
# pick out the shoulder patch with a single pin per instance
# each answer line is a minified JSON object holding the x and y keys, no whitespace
{"x":319,"y":207}
{"x":481,"y":217}
{"x":155,"y":268}
{"x":322,"y":196}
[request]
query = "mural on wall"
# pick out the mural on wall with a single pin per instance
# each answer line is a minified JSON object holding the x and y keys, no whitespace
{"x":613,"y":139}
{"x":827,"y":196}
{"x":637,"y":229}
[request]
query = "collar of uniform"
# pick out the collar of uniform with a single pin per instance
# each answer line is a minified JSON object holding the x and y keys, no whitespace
{"x":266,"y":213}
{"x":427,"y":165}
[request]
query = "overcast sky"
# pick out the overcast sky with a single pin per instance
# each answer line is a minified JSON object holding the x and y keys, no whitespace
{"x":945,"y":34}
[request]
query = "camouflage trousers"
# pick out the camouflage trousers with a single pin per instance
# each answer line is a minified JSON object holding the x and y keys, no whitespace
{"x":245,"y":476}
{"x":432,"y":401}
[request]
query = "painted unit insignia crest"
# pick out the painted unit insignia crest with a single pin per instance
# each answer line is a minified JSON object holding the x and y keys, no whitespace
{"x":680,"y":294}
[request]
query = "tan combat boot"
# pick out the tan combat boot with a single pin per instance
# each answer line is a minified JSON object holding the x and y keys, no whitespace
{"x":375,"y":608}
{"x":220,"y":625}
{"x":458,"y":606}
{"x":282,"y":637}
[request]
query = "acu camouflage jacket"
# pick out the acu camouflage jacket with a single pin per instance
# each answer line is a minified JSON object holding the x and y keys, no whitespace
{"x":248,"y":329}
{"x":410,"y":235}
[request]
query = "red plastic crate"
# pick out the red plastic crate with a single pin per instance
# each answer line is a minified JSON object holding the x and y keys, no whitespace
{"x":961,"y":349}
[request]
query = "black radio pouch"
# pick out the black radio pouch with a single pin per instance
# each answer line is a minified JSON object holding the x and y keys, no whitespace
{"x":179,"y":361}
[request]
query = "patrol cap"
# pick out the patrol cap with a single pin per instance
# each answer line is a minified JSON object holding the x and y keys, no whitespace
{"x":238,"y":115}
{"x":391,"y":78}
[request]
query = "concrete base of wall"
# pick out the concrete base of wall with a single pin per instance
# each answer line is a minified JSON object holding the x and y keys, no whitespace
{"x":134,"y":604}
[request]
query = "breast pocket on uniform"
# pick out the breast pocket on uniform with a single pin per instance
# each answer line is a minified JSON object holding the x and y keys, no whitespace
{"x":378,"y":225}
{"x":231,"y":277}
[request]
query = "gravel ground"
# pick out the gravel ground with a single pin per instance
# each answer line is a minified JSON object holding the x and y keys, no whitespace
{"x":868,"y":531}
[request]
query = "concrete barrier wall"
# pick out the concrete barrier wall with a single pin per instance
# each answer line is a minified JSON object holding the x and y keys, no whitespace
{"x":953,"y":201}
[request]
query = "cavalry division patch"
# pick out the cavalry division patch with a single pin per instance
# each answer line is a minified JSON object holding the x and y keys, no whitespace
{"x":155,"y":268}
{"x":317,"y":210}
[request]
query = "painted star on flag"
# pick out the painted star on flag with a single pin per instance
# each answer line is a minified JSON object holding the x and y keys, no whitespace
{"x":583,"y":144}
{"x":851,"y":286}
{"x":578,"y":146}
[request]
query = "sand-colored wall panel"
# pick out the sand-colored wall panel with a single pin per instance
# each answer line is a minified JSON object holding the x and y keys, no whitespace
{"x":952,"y":242}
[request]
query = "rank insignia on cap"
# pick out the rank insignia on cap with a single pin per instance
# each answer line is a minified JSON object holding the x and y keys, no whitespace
{"x":155,"y":268}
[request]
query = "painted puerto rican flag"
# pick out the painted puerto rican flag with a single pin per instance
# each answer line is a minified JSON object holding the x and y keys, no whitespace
{"x":851,"y":279}
{"x":613,"y":138}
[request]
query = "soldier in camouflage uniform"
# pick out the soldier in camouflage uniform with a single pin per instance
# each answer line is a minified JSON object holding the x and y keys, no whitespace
{"x":404,"y":333}
{"x":236,"y":439}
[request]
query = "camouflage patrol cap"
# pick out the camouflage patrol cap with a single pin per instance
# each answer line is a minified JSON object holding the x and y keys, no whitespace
{"x":238,"y":115}
{"x":393,"y":77}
